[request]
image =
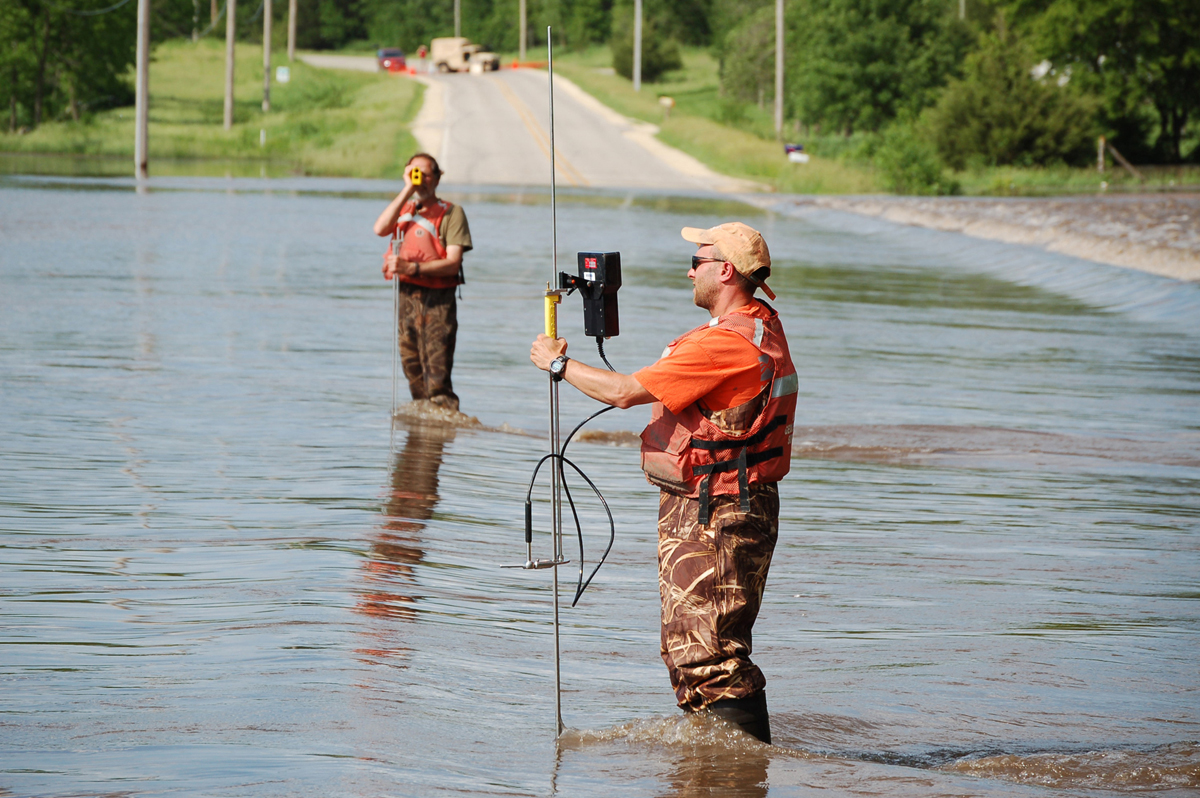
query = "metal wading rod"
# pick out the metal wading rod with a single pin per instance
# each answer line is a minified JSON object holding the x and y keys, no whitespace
{"x":555,"y":426}
{"x":395,"y":348}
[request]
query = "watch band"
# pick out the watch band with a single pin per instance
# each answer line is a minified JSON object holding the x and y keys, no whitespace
{"x":557,"y":373}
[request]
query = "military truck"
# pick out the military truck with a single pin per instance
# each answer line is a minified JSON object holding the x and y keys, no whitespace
{"x":457,"y":54}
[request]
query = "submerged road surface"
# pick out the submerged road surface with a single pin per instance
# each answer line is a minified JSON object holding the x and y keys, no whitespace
{"x":224,"y":574}
{"x":494,"y":129}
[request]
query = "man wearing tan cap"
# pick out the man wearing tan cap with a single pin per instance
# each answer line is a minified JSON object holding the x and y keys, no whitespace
{"x":719,"y":440}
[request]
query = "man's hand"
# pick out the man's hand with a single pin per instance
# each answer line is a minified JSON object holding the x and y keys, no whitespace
{"x":545,"y":349}
{"x":622,"y":390}
{"x":394,"y":265}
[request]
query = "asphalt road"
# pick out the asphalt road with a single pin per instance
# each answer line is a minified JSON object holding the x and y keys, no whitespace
{"x":494,"y":129}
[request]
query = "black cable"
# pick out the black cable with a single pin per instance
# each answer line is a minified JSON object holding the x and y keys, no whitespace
{"x":600,"y":347}
{"x":582,"y":584}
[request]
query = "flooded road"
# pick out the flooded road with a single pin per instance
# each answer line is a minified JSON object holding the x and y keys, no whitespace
{"x":222,"y":573}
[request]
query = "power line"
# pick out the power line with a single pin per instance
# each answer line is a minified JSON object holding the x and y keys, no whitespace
{"x":213,"y":24}
{"x":88,"y":13}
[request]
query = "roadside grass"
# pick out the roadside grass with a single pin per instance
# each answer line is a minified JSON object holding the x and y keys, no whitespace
{"x":730,"y":138}
{"x":322,"y":122}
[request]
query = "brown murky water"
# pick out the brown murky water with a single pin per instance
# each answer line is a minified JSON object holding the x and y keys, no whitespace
{"x":224,"y":575}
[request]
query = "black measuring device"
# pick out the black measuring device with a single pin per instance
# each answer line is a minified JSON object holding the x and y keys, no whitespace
{"x":597,"y":282}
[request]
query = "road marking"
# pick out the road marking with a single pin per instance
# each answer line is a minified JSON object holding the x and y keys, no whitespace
{"x":568,"y":171}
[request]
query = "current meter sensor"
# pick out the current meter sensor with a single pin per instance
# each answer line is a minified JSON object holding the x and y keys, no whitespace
{"x":597,"y":282}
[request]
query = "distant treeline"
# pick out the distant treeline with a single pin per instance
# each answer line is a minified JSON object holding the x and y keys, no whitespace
{"x":953,"y":82}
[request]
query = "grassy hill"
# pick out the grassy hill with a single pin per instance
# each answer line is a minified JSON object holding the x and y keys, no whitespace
{"x":322,"y":122}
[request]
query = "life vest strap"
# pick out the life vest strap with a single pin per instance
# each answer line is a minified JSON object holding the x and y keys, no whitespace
{"x":751,"y":459}
{"x":742,"y":463}
{"x":753,"y":440}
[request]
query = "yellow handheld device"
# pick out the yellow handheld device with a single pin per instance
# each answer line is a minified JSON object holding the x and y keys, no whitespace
{"x":416,"y":176}
{"x":553,"y":297}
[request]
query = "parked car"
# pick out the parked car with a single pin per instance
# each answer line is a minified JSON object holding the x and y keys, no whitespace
{"x":391,"y":60}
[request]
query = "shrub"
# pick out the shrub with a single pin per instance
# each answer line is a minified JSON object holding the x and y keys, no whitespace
{"x":1000,"y":114}
{"x":908,"y":163}
{"x":660,"y":54}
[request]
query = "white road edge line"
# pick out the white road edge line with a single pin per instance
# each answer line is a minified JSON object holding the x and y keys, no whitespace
{"x":644,"y":134}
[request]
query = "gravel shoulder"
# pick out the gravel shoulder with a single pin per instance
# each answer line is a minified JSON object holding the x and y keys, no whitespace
{"x":1156,"y":233}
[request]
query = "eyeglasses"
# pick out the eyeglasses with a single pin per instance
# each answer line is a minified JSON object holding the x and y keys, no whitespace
{"x":697,"y":260}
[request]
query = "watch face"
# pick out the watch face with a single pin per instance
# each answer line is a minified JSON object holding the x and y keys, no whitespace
{"x":556,"y":365}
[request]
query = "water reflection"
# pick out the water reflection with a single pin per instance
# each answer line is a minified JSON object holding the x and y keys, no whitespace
{"x":389,"y":573}
{"x":728,"y":772}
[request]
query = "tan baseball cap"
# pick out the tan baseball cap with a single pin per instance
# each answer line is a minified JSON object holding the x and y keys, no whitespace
{"x":740,"y":244}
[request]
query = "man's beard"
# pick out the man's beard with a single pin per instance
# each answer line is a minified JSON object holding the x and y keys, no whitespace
{"x":704,"y":293}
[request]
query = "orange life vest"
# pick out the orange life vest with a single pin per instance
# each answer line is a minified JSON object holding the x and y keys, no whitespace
{"x":699,"y":454}
{"x":419,"y":240}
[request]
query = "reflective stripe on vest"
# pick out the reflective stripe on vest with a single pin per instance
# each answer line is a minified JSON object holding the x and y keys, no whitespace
{"x":420,"y":220}
{"x":786,"y":386}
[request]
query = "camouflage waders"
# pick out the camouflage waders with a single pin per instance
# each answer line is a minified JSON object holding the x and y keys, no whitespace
{"x":711,"y":578}
{"x":428,"y":326}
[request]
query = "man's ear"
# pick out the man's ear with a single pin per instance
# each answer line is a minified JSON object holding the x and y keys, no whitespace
{"x":728,"y":272}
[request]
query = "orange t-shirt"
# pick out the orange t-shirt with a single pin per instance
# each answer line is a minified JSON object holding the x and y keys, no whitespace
{"x":718,"y":368}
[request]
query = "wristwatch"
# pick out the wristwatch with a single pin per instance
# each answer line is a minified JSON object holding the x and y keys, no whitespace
{"x":557,"y":366}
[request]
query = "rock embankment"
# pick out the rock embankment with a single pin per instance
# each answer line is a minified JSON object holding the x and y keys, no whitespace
{"x":1156,"y":233}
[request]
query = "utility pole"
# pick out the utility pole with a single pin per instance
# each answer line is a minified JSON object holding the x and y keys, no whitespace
{"x":522,"y":35}
{"x":141,"y":135}
{"x":457,"y":18}
{"x":779,"y":68}
{"x":266,"y":56}
{"x":230,"y":16}
{"x":962,"y":9}
{"x":291,"y":30}
{"x":637,"y":45}
{"x":214,"y":11}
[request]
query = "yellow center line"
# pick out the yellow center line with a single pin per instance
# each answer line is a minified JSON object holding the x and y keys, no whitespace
{"x":563,"y":166}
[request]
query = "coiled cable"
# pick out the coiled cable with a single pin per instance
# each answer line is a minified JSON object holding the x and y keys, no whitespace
{"x":561,"y":459}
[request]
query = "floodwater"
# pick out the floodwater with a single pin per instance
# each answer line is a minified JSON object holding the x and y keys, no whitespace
{"x":223,"y":574}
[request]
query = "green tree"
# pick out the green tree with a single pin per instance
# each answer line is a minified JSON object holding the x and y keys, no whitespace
{"x":660,"y":53}
{"x":748,"y":69}
{"x":64,"y":58}
{"x":686,"y":21}
{"x":857,"y":64}
{"x":1000,"y":113}
{"x":1135,"y":53}
{"x":16,"y":61}
{"x":590,"y":22}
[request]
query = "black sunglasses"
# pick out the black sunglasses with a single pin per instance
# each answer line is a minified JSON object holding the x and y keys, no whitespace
{"x":697,"y":260}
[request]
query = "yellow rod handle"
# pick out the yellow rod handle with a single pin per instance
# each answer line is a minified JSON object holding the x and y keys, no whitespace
{"x":552,"y":300}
